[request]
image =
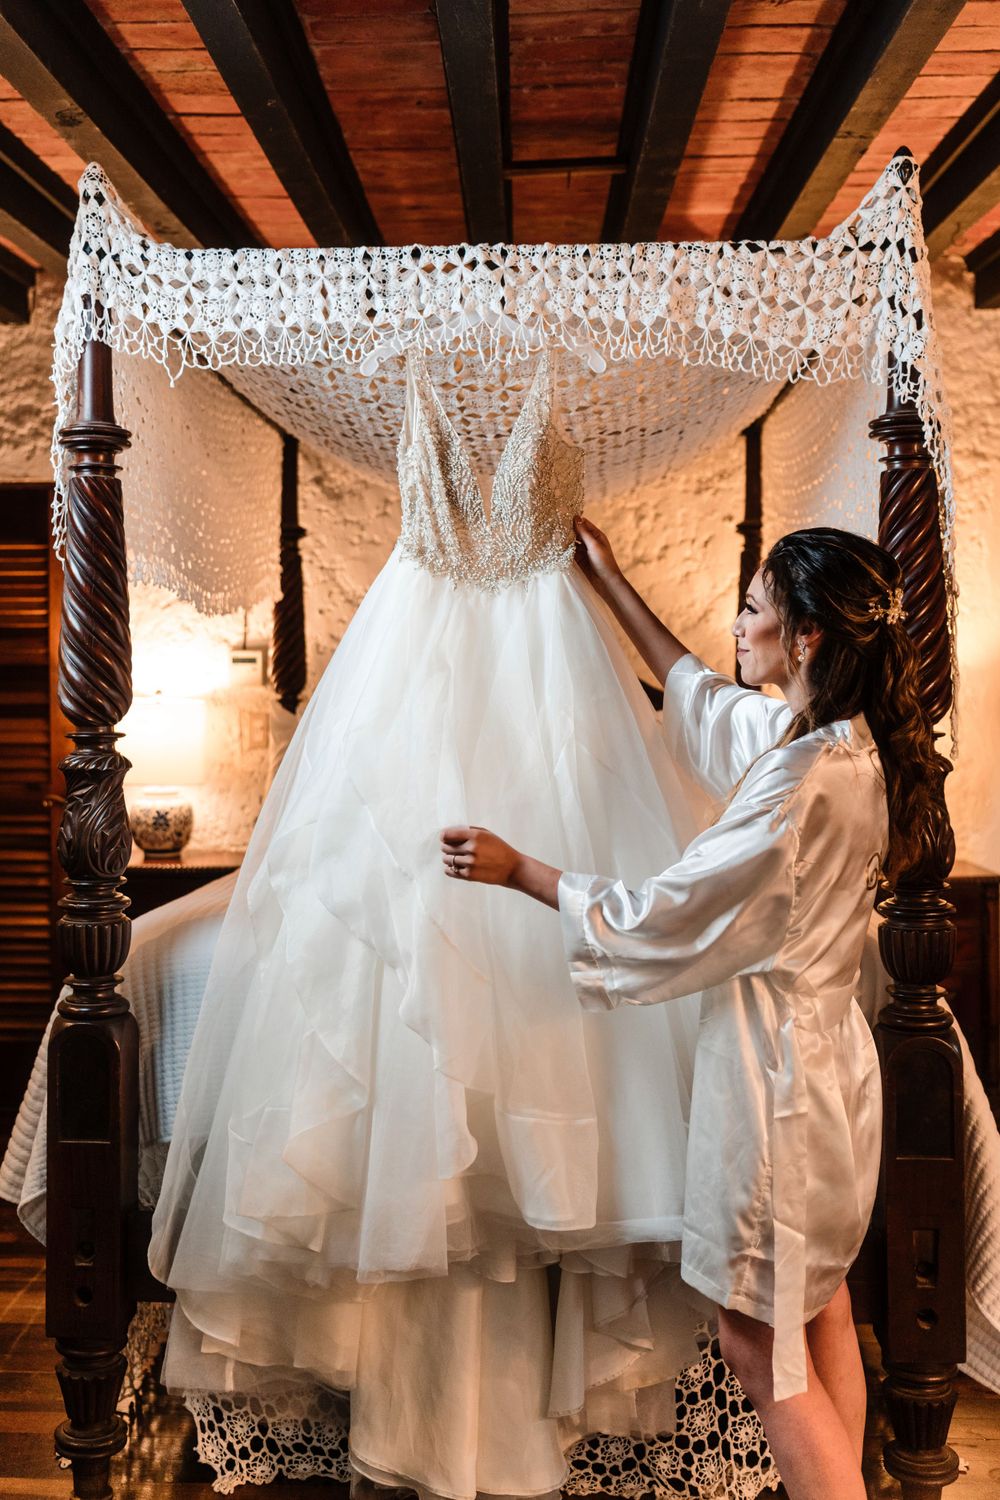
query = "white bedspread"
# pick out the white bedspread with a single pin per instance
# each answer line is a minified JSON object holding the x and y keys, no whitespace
{"x":164,"y":977}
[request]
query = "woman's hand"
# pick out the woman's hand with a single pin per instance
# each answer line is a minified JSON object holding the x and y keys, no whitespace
{"x":476,"y":854}
{"x":594,"y":556}
{"x":657,"y":645}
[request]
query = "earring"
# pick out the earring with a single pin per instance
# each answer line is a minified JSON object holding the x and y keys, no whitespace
{"x":802,"y":652}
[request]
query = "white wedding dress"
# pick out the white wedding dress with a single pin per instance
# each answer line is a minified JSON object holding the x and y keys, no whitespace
{"x":396,"y":1113}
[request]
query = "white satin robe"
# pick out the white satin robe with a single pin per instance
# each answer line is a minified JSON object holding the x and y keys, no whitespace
{"x":766,"y":912}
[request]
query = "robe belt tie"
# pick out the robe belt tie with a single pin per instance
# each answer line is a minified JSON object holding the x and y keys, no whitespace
{"x":788,"y":1211}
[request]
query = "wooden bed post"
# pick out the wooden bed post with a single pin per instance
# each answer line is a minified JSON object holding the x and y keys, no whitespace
{"x":752,"y":525}
{"x":93,"y":1050}
{"x":921,"y":1212}
{"x":288,"y":638}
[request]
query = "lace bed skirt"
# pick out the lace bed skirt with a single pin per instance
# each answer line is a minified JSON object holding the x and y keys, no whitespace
{"x":717,"y":1452}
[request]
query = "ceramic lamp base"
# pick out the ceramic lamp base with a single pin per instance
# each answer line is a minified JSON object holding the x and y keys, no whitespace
{"x":161,"y":822}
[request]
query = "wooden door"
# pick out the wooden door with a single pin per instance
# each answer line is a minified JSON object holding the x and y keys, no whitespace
{"x":32,"y":741}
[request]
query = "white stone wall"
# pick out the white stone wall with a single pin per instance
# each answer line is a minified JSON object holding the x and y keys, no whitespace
{"x":27,"y":400}
{"x":678,"y":542}
{"x":971,"y":349}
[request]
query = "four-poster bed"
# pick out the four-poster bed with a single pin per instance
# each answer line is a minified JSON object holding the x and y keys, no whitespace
{"x":633,"y":310}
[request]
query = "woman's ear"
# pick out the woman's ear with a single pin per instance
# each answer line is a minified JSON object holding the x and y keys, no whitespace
{"x":809,"y":634}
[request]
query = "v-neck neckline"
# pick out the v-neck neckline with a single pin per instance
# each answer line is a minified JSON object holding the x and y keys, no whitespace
{"x":487,"y":510}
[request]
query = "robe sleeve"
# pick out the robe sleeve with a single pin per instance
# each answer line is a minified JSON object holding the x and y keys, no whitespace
{"x":722,"y":910}
{"x":714,"y":728}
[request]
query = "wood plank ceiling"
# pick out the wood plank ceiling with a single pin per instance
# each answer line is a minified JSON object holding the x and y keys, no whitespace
{"x":344,"y":121}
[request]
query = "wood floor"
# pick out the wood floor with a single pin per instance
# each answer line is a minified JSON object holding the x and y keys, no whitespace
{"x":160,"y":1463}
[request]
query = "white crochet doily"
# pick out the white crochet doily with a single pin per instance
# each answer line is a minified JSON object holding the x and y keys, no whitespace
{"x":679,"y":345}
{"x":717,"y":1451}
{"x":202,"y":485}
{"x":819,"y":466}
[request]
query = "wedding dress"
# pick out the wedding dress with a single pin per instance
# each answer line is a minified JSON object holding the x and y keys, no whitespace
{"x":396,"y":1113}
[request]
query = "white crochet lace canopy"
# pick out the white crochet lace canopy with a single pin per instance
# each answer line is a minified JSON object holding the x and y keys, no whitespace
{"x":672,"y":349}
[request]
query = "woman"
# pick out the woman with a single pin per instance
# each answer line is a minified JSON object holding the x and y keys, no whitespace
{"x":766,"y":912}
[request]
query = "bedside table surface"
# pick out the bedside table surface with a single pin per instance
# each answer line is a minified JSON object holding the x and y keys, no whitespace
{"x":964,"y":869}
{"x":190,"y":859}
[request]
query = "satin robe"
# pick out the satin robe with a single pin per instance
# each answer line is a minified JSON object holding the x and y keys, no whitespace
{"x":766,"y":913}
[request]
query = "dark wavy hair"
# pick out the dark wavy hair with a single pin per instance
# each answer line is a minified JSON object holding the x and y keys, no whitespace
{"x":864,"y":663}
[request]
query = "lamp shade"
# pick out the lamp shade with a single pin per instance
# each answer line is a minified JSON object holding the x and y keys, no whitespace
{"x":164,"y":738}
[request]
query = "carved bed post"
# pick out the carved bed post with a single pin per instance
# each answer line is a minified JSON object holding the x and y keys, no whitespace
{"x":288,"y":640}
{"x":921,"y":1206}
{"x":751,"y":527}
{"x":93,"y":1050}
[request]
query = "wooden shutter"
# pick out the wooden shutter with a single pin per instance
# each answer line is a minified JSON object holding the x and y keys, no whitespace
{"x":32,"y":740}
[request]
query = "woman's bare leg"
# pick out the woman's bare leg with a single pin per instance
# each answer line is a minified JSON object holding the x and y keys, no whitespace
{"x":836,"y":1356}
{"x":812,"y":1448}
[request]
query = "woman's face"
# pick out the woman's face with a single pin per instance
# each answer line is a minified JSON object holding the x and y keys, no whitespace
{"x":757,"y":629}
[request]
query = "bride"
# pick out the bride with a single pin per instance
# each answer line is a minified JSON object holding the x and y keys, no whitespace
{"x":396,"y":1115}
{"x":767,"y":910}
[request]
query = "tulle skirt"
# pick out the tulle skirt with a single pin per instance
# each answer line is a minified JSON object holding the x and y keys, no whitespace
{"x":392,"y":1082}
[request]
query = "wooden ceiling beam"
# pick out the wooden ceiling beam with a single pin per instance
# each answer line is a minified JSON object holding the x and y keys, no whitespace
{"x":59,"y":57}
{"x":474,"y":48}
{"x":17,"y":284}
{"x":960,"y":180}
{"x":984,"y":263}
{"x":675,"y":44}
{"x":262,"y":52}
{"x":37,"y":209}
{"x":875,"y":52}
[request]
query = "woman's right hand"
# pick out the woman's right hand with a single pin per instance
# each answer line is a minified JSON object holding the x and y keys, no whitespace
{"x":594,"y":555}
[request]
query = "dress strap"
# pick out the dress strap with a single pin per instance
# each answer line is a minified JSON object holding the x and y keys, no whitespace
{"x":413,"y":360}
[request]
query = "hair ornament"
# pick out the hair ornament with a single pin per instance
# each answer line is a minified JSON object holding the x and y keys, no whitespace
{"x":891,"y":609}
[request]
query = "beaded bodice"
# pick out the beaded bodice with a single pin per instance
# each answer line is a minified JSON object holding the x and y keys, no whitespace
{"x":537,"y":489}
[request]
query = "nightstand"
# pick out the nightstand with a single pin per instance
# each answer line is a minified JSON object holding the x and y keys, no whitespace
{"x":974,"y":982}
{"x":150,"y":881}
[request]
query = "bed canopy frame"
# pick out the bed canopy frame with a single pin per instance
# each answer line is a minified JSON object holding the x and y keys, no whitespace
{"x":910,"y":1277}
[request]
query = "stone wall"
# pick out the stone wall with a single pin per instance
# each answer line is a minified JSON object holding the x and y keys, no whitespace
{"x":971,"y":348}
{"x":678,"y":543}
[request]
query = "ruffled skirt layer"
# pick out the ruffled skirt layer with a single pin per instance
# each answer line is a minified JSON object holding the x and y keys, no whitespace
{"x":396,"y":1113}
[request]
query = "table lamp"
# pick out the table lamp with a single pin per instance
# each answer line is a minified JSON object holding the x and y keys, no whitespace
{"x":164,"y":738}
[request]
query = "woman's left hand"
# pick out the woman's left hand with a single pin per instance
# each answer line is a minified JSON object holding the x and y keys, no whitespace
{"x":476,"y":854}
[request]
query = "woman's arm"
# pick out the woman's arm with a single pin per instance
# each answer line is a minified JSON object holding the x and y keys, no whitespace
{"x":477,"y":854}
{"x":722,"y":909}
{"x":657,"y":646}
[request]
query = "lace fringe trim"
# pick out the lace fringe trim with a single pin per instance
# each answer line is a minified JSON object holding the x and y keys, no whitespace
{"x":855,"y":303}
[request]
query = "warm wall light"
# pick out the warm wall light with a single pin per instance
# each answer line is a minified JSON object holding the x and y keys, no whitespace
{"x":179,"y":667}
{"x":164,"y":738}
